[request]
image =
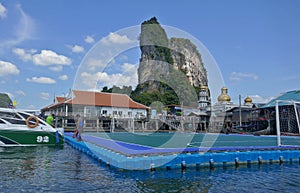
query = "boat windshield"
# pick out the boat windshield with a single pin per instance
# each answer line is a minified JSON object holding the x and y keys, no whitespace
{"x":14,"y":121}
{"x":16,"y":117}
{"x":10,"y":115}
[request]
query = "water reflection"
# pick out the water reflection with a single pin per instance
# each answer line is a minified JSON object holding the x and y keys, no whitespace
{"x":46,"y":169}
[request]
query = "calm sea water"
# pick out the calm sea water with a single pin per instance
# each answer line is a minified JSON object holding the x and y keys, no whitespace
{"x":50,"y":169}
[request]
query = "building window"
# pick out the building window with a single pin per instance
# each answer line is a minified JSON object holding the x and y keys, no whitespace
{"x":104,"y":112}
{"x":129,"y":114}
{"x":115,"y":112}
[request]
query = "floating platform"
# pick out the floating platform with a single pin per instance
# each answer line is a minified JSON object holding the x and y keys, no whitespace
{"x":181,"y":150}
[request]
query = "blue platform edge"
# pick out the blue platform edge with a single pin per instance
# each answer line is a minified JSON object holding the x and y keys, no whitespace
{"x":178,"y":158}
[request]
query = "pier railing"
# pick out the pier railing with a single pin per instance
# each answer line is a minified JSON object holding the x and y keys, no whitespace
{"x":132,"y":124}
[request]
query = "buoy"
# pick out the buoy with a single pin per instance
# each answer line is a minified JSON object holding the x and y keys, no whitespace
{"x":211,"y":163}
{"x":236,"y":160}
{"x":152,"y":167}
{"x":183,"y":165}
{"x":281,"y":159}
{"x":259,"y":159}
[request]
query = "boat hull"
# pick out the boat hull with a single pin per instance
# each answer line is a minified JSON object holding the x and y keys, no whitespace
{"x":30,"y":138}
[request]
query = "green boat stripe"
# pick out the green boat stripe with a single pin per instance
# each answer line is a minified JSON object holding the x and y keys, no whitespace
{"x":14,"y":137}
{"x":7,"y":141}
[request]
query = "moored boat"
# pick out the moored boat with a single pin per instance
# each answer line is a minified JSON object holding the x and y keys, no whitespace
{"x":19,"y":128}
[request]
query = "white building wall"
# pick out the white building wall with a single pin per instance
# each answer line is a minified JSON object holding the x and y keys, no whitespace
{"x":121,"y":112}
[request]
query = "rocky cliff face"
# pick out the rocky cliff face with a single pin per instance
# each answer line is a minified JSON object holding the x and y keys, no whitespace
{"x":156,"y":55}
{"x":160,"y":55}
{"x":187,"y":58}
{"x":170,"y":70}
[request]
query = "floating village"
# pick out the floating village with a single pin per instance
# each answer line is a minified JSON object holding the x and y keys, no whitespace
{"x":110,"y":112}
{"x":150,"y":97}
{"x":132,"y":134}
{"x":128,"y":135}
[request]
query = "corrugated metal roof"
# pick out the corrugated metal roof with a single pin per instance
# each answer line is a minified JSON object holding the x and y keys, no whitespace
{"x":288,"y":96}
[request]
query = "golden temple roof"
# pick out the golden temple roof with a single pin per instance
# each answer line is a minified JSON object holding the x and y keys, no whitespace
{"x":248,"y":100}
{"x":202,"y":87}
{"x":224,"y":97}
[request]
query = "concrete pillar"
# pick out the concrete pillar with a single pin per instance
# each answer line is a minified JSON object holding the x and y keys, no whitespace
{"x":194,"y":127}
{"x":97,"y":124}
{"x":112,"y":124}
{"x":143,"y":126}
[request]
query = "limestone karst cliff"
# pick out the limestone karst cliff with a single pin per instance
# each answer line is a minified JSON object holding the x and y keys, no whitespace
{"x":168,"y":67}
{"x":187,"y":58}
{"x":159,"y":54}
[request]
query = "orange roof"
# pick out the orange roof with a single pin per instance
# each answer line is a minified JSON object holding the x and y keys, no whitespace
{"x":103,"y":99}
{"x":60,"y":99}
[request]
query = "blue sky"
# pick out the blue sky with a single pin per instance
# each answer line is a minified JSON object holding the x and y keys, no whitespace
{"x":43,"y":44}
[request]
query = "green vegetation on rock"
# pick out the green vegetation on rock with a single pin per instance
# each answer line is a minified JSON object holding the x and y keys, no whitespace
{"x":4,"y":100}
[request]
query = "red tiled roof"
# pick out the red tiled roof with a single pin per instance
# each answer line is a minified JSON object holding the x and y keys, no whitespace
{"x":60,"y":99}
{"x":103,"y":99}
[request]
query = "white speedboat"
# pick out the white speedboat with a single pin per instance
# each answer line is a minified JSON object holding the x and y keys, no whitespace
{"x":18,"y":128}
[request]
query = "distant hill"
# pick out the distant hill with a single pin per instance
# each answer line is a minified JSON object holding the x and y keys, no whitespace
{"x":4,"y":100}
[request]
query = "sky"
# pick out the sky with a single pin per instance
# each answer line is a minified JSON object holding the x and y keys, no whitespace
{"x":46,"y":46}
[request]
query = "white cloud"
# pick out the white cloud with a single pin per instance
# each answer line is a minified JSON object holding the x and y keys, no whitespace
{"x":26,"y":26}
{"x":45,"y":95}
{"x":89,"y":39}
{"x":237,"y":76}
{"x":128,"y":77}
{"x":114,"y":38}
{"x":45,"y":58}
{"x":24,"y":30}
{"x":63,"y":77}
{"x":77,"y":49}
{"x":20,"y":92}
{"x":90,"y":79}
{"x":56,"y":68}
{"x":259,"y":99}
{"x":48,"y":57}
{"x":41,"y":80}
{"x":95,"y":64}
{"x":3,"y":11}
{"x":7,"y":68}
{"x":23,"y":54}
{"x":129,"y":69}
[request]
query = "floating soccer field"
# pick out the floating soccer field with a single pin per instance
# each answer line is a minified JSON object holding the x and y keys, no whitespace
{"x":140,"y":151}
